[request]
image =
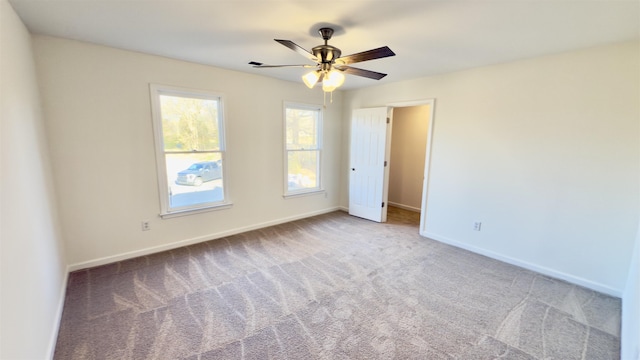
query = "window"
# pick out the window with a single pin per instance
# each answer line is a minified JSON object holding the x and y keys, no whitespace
{"x":303,"y":133}
{"x":189,"y":135}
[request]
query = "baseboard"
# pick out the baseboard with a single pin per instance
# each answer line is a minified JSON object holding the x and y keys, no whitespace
{"x":199,"y":239}
{"x":58,"y":318}
{"x":530,"y":266}
{"x":405,"y":207}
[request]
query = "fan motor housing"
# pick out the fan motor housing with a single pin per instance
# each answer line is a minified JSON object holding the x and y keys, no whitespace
{"x":326,"y":53}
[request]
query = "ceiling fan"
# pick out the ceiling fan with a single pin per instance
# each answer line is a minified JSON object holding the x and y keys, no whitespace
{"x":330,"y":66}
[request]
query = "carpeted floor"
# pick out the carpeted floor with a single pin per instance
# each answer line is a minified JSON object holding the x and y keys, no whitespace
{"x":331,"y":287}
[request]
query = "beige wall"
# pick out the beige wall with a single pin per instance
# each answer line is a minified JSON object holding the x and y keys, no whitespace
{"x":543,"y":151}
{"x":33,"y":266}
{"x":99,"y":124}
{"x":408,"y":150}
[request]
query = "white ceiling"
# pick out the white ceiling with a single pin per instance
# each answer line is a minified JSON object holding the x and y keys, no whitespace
{"x":429,"y":37}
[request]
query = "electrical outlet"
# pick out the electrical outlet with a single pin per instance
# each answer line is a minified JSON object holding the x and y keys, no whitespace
{"x":477,"y":225}
{"x":145,"y":225}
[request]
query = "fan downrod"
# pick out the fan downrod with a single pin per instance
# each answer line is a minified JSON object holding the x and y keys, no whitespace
{"x":326,"y":33}
{"x":326,"y":53}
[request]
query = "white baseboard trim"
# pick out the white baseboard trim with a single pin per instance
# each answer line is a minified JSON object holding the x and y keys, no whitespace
{"x":155,"y":249}
{"x":406,"y":207}
{"x":58,"y":318}
{"x":529,"y":266}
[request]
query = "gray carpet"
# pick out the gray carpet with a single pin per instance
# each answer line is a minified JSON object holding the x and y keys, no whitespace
{"x":331,"y":287}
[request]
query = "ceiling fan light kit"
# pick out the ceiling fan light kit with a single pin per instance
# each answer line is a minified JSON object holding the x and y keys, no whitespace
{"x":332,"y":80}
{"x":311,"y":78}
{"x":330,"y":66}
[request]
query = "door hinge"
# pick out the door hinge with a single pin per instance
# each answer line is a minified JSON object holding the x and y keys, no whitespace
{"x":388,"y":120}
{"x":385,"y":163}
{"x":383,"y":204}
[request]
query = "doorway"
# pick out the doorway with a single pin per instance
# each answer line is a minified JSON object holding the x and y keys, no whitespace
{"x":376,"y":174}
{"x":407,"y":157}
{"x":422,"y":113}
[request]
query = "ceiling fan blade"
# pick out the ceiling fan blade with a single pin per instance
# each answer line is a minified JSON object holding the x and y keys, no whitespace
{"x":297,"y":48}
{"x":365,"y":55}
{"x":261,"y":65}
{"x":361,"y":72}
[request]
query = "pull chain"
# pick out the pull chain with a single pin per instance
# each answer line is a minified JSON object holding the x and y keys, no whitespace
{"x":324,"y":100}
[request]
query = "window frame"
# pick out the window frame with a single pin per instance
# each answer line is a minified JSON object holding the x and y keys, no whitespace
{"x":166,"y":211}
{"x":319,"y":147}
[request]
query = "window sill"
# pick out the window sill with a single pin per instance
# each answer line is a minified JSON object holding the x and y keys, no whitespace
{"x":186,"y":212}
{"x":301,"y":194}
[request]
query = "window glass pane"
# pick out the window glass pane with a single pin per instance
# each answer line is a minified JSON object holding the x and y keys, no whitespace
{"x":189,"y":124}
{"x":302,"y":170}
{"x":302,"y":129}
{"x":194,"y":179}
{"x":189,"y":129}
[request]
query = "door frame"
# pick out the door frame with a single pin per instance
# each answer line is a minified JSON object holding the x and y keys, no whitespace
{"x":427,"y":162}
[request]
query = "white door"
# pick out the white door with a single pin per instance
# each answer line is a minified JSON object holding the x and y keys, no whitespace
{"x":367,"y":184}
